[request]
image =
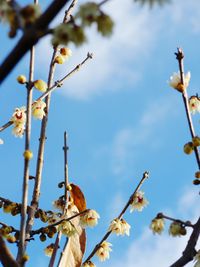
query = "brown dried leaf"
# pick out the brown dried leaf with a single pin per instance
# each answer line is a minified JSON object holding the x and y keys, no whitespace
{"x":78,"y":197}
{"x":74,"y":250}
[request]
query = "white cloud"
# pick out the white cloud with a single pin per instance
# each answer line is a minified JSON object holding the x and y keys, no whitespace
{"x":110,"y":69}
{"x":149,"y":250}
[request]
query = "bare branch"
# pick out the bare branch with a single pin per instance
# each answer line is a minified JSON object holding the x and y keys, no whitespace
{"x":6,"y":258}
{"x":189,"y":252}
{"x":30,"y":37}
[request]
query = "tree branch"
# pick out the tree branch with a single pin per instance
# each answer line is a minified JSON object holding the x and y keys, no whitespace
{"x":31,"y":37}
{"x":189,"y":252}
{"x":6,"y":258}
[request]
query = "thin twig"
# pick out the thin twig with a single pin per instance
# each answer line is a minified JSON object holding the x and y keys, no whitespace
{"x":40,"y":230}
{"x":186,"y":223}
{"x":56,"y":85}
{"x":22,"y":237}
{"x":144,"y":177}
{"x":30,"y":37}
{"x":6,"y":258}
{"x":179,"y":57}
{"x":59,"y":234}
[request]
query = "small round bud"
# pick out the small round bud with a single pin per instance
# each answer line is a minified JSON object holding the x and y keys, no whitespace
{"x":69,"y":188}
{"x":11,"y":239}
{"x":59,"y":59}
{"x":51,"y":234}
{"x":21,"y":79}
{"x":25,"y":258}
{"x":188,"y":148}
{"x":65,"y":52}
{"x":197,"y":174}
{"x":40,"y":85}
{"x":183,"y":231}
{"x":43,"y":237}
{"x":196,"y":141}
{"x":28,"y":154}
{"x":196,"y":182}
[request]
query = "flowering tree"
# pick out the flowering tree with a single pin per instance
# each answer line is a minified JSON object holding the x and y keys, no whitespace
{"x":72,"y":216}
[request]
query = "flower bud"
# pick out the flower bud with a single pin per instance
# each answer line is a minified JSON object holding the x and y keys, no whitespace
{"x":40,"y":85}
{"x":196,"y":141}
{"x":43,"y":237}
{"x":188,"y":148}
{"x":197,"y":174}
{"x":21,"y":79}
{"x":196,"y":182}
{"x":28,"y":154}
{"x":59,"y":59}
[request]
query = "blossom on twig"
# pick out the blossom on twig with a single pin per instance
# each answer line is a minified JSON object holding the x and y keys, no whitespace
{"x":103,"y":251}
{"x":120,"y":227}
{"x":194,"y":104}
{"x":38,"y":109}
{"x":138,"y":202}
{"x":90,"y":218}
{"x":157,"y":225}
{"x":175,"y":81}
{"x":19,"y":119}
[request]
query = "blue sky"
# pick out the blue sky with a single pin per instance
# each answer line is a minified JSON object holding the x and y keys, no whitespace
{"x":122,"y":119}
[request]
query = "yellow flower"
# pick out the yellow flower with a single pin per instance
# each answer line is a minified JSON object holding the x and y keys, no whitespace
{"x":157,"y":225}
{"x":67,"y":228}
{"x":40,"y":85}
{"x":49,"y":250}
{"x":175,"y":81}
{"x":194,"y":104}
{"x":90,"y":218}
{"x":138,"y":202}
{"x":18,"y":130}
{"x":59,"y":59}
{"x":103,"y":251}
{"x":65,"y":52}
{"x":38,"y":109}
{"x":120,"y":227}
{"x":19,"y":116}
{"x":175,"y":229}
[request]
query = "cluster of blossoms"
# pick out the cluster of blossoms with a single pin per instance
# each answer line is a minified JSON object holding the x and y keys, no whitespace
{"x":189,"y":147}
{"x":19,"y":120}
{"x":194,"y":104}
{"x":176,"y":228}
{"x":120,"y":227}
{"x":138,"y":201}
{"x":18,"y":18}
{"x":64,"y":54}
{"x":175,"y":81}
